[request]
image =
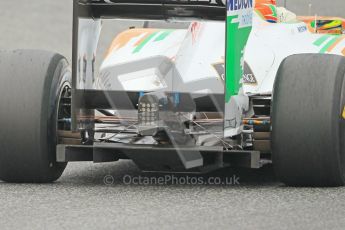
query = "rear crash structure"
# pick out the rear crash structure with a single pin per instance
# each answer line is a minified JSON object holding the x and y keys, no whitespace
{"x":165,"y":111}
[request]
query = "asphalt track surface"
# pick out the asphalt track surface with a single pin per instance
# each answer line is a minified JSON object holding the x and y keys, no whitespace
{"x":94,"y":196}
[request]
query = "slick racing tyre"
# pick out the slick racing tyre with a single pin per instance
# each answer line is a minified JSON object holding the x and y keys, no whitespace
{"x":31,"y":84}
{"x":308,"y":121}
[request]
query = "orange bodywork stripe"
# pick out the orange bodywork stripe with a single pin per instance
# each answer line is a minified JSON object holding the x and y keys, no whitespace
{"x":149,"y":32}
{"x":335,"y":43}
{"x":123,"y":38}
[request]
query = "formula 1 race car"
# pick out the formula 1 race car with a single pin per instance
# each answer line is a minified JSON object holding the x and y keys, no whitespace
{"x":244,"y":84}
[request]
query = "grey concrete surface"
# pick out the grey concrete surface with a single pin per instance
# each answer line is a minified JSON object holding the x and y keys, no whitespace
{"x":82,"y":200}
{"x":318,"y":7}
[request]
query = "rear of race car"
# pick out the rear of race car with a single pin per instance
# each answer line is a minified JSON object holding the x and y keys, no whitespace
{"x":217,"y":93}
{"x":167,"y":88}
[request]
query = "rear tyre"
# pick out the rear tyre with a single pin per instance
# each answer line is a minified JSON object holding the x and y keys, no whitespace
{"x":308,"y":121}
{"x":31,"y":82}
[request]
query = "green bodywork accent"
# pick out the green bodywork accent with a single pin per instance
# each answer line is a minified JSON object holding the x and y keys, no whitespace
{"x":321,"y":40}
{"x":274,"y":10}
{"x":163,"y":35}
{"x":144,"y":42}
{"x":236,"y":41}
{"x":329,"y":44}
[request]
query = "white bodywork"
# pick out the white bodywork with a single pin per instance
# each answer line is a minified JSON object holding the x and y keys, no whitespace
{"x":269,"y":44}
{"x":181,"y":62}
{"x":191,"y":60}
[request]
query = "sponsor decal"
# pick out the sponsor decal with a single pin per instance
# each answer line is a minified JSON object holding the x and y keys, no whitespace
{"x":302,"y":29}
{"x":248,"y":75}
{"x":239,"y":26}
{"x":241,"y":12}
{"x":234,"y":5}
{"x":249,"y":79}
